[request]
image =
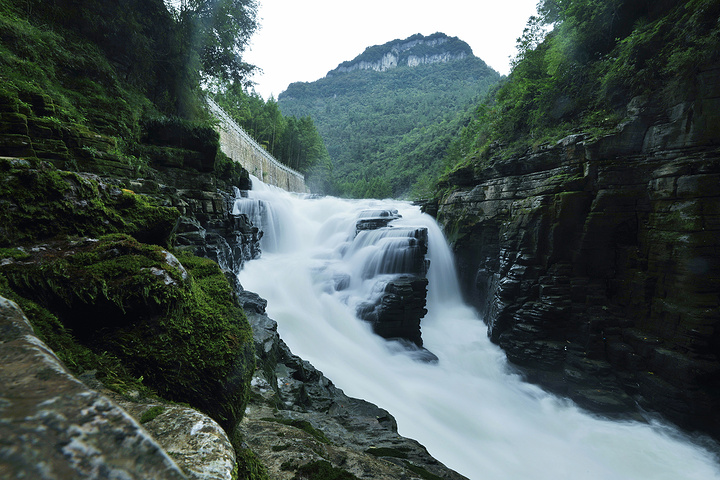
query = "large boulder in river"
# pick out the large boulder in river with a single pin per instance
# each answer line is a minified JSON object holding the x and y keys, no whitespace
{"x":398,"y":262}
{"x":397,"y":313}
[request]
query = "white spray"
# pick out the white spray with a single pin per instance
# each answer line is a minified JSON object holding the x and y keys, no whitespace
{"x":468,"y":409}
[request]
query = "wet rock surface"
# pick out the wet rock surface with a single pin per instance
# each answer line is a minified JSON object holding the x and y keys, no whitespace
{"x":53,"y":426}
{"x":198,"y":445}
{"x":374,"y":219}
{"x":209,"y":229}
{"x":297,"y":416}
{"x":56,"y":426}
{"x":595,"y":263}
{"x":398,"y":311}
{"x":395,"y":313}
{"x":195,"y":442}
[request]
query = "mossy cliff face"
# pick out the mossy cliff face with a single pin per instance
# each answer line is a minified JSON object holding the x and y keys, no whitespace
{"x":99,"y":182}
{"x":39,"y":202}
{"x":595,"y":262}
{"x":176,"y":325}
{"x":127,"y":308}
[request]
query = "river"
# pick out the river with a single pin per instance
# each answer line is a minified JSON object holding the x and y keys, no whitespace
{"x":468,"y":409}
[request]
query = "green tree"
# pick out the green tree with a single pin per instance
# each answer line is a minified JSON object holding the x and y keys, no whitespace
{"x":217,"y":32}
{"x":581,"y":75}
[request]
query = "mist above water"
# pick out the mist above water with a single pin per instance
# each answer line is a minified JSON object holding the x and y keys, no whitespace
{"x":468,"y":409}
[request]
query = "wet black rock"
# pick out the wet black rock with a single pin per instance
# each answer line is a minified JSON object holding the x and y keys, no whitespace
{"x":228,"y":239}
{"x":397,"y":313}
{"x":594,"y":262}
{"x":374,"y":219}
{"x":297,"y":415}
{"x":400,"y":267}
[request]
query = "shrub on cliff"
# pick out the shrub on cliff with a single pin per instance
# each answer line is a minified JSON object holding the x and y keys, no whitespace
{"x":581,"y":75}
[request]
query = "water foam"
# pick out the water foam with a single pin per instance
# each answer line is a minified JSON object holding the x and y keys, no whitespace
{"x":469,"y":409}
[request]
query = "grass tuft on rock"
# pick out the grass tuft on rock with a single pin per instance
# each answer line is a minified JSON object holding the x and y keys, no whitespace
{"x":303,"y":425}
{"x":322,"y":470}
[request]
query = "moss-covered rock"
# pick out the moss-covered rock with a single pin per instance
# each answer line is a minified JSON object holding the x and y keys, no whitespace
{"x":38,"y":202}
{"x":322,"y":470}
{"x":177,"y":326}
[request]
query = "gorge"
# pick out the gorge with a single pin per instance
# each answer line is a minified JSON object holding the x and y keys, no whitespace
{"x":553,"y":315}
{"x":470,"y":408}
{"x":595,"y":261}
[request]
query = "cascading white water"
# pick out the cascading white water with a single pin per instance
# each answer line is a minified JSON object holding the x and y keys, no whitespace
{"x":468,"y":409}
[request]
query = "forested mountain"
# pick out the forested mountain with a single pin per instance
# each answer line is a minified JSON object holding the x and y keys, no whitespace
{"x":388,"y":115}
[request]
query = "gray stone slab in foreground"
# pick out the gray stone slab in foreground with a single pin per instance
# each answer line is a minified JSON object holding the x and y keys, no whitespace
{"x":54,"y":427}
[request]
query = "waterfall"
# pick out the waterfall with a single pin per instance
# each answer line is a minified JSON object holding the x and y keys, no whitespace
{"x":468,"y":408}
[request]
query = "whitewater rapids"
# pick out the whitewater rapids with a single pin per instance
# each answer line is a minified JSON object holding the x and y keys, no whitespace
{"x":468,"y":409}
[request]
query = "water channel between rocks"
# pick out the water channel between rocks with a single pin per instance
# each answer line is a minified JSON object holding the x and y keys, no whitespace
{"x":318,"y":271}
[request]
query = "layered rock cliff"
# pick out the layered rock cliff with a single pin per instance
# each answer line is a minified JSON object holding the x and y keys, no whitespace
{"x":595,"y":262}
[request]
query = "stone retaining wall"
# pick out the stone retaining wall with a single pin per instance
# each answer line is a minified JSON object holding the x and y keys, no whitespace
{"x":238,"y":145}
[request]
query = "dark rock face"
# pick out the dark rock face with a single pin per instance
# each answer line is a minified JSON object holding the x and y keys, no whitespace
{"x":596,"y":266}
{"x":229,"y":241}
{"x":293,"y":398}
{"x":374,"y":219}
{"x":205,"y":227}
{"x":396,"y":312}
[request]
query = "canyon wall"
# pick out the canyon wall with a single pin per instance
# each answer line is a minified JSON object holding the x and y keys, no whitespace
{"x":595,"y":263}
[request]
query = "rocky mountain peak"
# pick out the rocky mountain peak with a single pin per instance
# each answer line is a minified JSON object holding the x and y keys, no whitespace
{"x":412,"y":51}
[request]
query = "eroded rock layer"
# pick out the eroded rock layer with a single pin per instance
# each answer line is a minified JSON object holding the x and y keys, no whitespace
{"x":596,"y":263}
{"x":298,"y":419}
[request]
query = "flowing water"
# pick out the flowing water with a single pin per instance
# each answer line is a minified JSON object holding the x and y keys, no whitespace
{"x":468,"y":409}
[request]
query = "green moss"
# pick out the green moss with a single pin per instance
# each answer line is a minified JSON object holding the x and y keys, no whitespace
{"x":116,"y":270}
{"x":322,"y":470}
{"x":77,"y":357}
{"x":249,"y":466}
{"x":387,"y":452}
{"x":34,"y":195}
{"x":48,"y":71}
{"x":231,"y":172}
{"x":303,"y":425}
{"x":183,"y":334}
{"x":14,"y":253}
{"x":422,"y":472}
{"x":151,"y":413}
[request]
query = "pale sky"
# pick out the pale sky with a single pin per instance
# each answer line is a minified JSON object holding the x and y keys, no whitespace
{"x":302,"y":40}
